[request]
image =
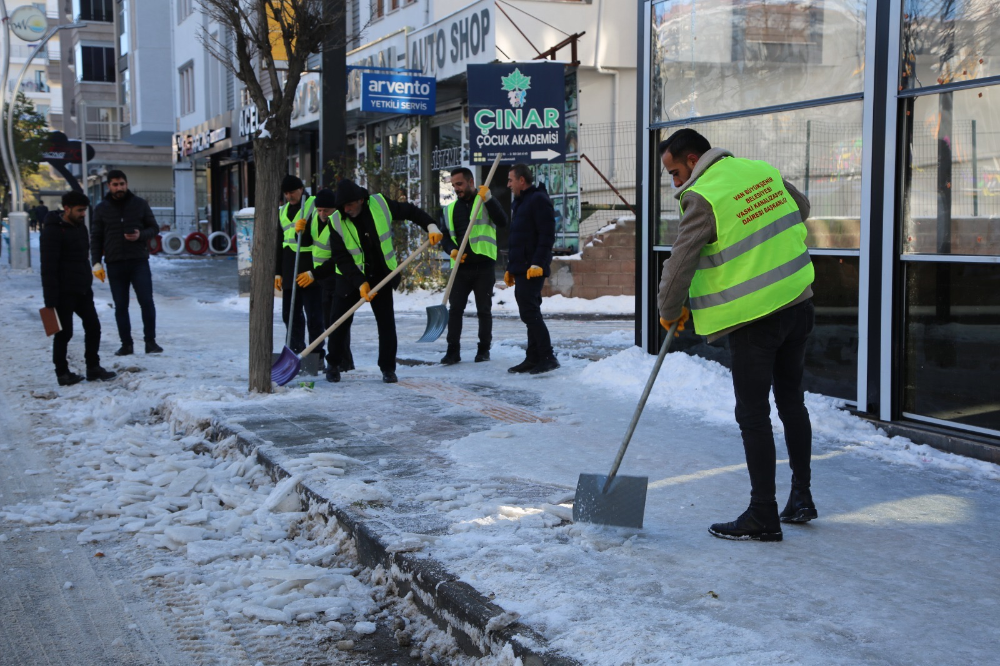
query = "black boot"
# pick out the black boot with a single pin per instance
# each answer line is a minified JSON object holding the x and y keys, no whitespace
{"x":124,"y":350}
{"x":347,"y":362}
{"x":545,"y":365}
{"x":99,"y":374}
{"x":389,"y":377}
{"x":800,"y":507}
{"x":153,"y":348}
{"x":482,"y":355}
{"x":69,"y":379}
{"x":523,"y":366}
{"x":451,"y":357}
{"x":758,"y":523}
{"x":332,"y":374}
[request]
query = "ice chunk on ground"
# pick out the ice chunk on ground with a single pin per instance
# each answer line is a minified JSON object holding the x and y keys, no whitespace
{"x":365,"y":628}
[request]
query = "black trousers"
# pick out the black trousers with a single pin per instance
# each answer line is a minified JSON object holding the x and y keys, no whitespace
{"x":770,"y":352}
{"x":308,"y":305}
{"x":477,"y":279}
{"x":528,"y":294}
{"x":81,"y":305}
{"x":329,"y":288}
{"x":345,"y":295}
{"x":132,"y":274}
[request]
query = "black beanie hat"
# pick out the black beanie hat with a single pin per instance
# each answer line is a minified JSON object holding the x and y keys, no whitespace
{"x":325,"y":199}
{"x":291,"y":183}
{"x":348,"y":191}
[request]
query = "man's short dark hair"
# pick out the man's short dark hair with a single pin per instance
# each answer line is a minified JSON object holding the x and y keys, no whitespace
{"x":684,"y":142}
{"x":115,"y":174}
{"x":523,"y":171}
{"x":72,"y":199}
{"x":464,"y":172}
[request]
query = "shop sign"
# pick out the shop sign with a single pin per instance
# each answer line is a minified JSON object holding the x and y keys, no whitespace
{"x":67,"y":151}
{"x":305,"y":107}
{"x":517,"y":109}
{"x":398,"y":94}
{"x":389,"y":52}
{"x":248,"y":121}
{"x":443,"y":49}
{"x":446,"y":158}
{"x":186,"y":145}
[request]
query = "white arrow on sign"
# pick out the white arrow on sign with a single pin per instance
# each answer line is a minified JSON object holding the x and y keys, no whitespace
{"x":547,"y":155}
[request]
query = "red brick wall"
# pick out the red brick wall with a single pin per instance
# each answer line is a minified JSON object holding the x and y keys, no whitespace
{"x":607,"y":267}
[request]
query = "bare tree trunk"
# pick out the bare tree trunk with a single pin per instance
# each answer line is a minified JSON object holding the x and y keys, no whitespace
{"x":269,"y":156}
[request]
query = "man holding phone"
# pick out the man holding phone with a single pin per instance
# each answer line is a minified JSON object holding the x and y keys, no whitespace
{"x":120,"y":231}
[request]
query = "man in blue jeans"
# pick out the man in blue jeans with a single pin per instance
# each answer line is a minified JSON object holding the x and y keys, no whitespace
{"x":120,"y":231}
{"x":741,"y":258}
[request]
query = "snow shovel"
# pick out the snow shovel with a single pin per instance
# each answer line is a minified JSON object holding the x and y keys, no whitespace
{"x":437,"y":315}
{"x":618,"y":500}
{"x":289,"y":363}
{"x":291,"y":313}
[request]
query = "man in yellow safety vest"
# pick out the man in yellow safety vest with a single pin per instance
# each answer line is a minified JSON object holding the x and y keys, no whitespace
{"x":361,"y":256}
{"x":477,"y":266}
{"x":740,"y":257}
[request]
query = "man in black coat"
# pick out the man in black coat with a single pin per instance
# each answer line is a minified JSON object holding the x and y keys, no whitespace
{"x":532,"y":235}
{"x":357,"y":234}
{"x":66,"y":286}
{"x":120,"y":231}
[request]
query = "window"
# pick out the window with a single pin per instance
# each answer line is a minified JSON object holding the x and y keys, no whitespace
{"x":186,"y":89}
{"x":378,"y":9}
{"x":947,"y":42}
{"x":94,"y":10}
{"x":184,"y":10}
{"x":95,"y":63}
{"x":123,"y":28}
{"x":102,"y":123}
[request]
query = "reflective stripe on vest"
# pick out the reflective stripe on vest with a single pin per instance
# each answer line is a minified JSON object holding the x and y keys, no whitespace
{"x":380,"y":214}
{"x":320,"y":232}
{"x":288,"y":226}
{"x":759,"y":261}
{"x":482,"y":238}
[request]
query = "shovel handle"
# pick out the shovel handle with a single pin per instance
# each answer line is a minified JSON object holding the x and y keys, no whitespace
{"x":642,"y":403}
{"x":465,"y":239}
{"x":354,"y":308}
{"x":295,"y":283}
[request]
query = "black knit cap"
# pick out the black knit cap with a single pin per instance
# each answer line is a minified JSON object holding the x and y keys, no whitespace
{"x":348,"y":191}
{"x":291,"y":183}
{"x":325,"y":199}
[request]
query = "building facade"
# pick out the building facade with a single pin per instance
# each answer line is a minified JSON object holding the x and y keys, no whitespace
{"x":887,"y":115}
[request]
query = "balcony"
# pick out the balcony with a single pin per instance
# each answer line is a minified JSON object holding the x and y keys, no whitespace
{"x":30,"y":87}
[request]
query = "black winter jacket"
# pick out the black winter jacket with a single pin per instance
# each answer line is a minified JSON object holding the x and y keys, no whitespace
{"x":532,"y":231}
{"x":65,"y":250}
{"x":112,"y":219}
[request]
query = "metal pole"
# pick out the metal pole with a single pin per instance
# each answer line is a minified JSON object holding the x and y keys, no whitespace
{"x":975,"y":173}
{"x":81,"y":125}
{"x":4,"y":70}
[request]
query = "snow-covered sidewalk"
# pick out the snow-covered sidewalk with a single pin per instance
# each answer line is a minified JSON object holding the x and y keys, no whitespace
{"x":474,"y":468}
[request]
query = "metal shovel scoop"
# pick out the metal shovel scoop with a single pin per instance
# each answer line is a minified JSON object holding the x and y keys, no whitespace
{"x":618,"y":500}
{"x":437,"y":315}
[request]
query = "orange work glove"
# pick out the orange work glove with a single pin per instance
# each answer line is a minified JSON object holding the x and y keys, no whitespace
{"x":305,"y":279}
{"x":667,"y":323}
{"x":367,"y":293}
{"x":535,"y":271}
{"x":508,"y":279}
{"x":99,"y":272}
{"x":454,"y":255}
{"x":484,"y":193}
{"x":277,"y":283}
{"x":300,"y":225}
{"x":434,"y":234}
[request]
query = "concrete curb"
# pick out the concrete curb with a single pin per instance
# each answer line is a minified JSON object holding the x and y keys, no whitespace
{"x":478,"y":626}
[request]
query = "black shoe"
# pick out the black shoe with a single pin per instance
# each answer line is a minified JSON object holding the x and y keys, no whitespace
{"x":124,"y":350}
{"x":758,"y":523}
{"x":523,"y":366}
{"x":69,"y":379}
{"x":99,"y":374}
{"x":483,"y":356}
{"x":389,"y":377}
{"x":332,"y":375}
{"x":153,"y":348}
{"x":545,"y":365}
{"x":451,"y":357}
{"x":800,"y":507}
{"x":346,"y":366}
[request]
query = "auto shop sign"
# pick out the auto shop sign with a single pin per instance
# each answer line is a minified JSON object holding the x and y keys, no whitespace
{"x":443,"y":49}
{"x":517,"y":109}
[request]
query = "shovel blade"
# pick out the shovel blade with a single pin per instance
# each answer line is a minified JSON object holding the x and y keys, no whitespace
{"x":624,"y":504}
{"x":286,"y":367}
{"x":437,"y":321}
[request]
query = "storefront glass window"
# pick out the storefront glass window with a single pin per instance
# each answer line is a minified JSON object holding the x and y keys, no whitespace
{"x":818,"y":150}
{"x":946,"y":42}
{"x":951,"y":183}
{"x":718,"y":56}
{"x":952,"y":349}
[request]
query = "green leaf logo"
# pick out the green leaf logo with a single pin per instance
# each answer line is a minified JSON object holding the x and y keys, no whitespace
{"x":516,"y":81}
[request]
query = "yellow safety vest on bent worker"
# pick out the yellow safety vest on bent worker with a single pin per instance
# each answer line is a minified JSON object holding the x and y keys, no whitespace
{"x":319,"y":231}
{"x":482,"y":238}
{"x":288,"y":226}
{"x":759,"y":261}
{"x":379,"y":209}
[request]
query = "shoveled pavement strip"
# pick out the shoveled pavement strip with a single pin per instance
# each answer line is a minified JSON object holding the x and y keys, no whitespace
{"x":363,"y":422}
